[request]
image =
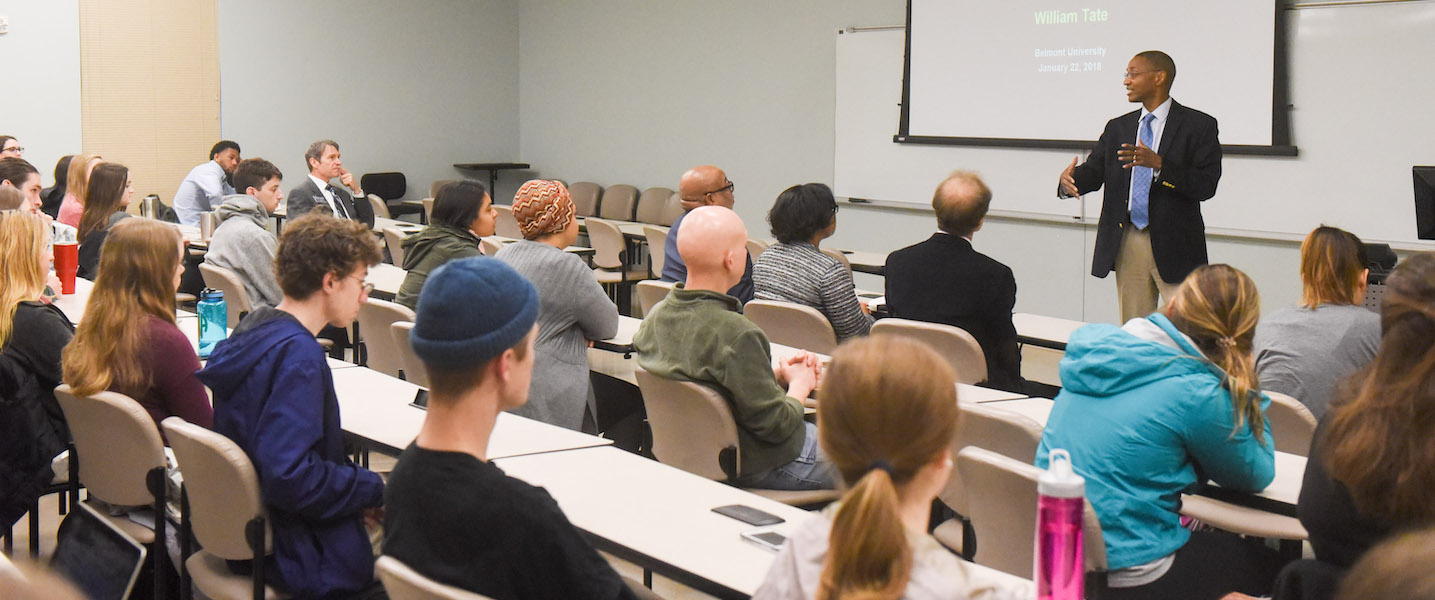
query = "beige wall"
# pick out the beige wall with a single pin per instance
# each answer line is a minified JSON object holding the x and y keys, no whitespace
{"x":149,"y":87}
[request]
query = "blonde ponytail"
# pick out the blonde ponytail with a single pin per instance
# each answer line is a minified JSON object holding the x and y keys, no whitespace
{"x":1218,"y":307}
{"x":867,"y":555}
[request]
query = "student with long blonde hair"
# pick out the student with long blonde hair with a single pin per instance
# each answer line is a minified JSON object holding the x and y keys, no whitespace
{"x":1303,"y":351}
{"x":77,"y":185}
{"x":128,"y":342}
{"x":32,"y":335}
{"x":889,"y":411}
{"x":1146,"y":406}
{"x":109,"y":194}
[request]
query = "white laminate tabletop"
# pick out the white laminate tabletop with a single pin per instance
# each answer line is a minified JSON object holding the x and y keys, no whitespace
{"x":377,"y":408}
{"x":658,"y":512}
{"x":978,"y":394}
{"x":73,"y":305}
{"x":570,"y":249}
{"x":381,"y":222}
{"x":863,"y":258}
{"x":386,"y":278}
{"x":1049,"y":329}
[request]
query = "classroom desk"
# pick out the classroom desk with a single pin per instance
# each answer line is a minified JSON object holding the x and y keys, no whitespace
{"x":622,"y":342}
{"x":73,"y":305}
{"x":579,"y":250}
{"x":872,"y":263}
{"x":386,"y":279}
{"x":1047,"y":332}
{"x":1279,"y":497}
{"x":657,"y":517}
{"x":376,"y":409}
{"x":632,"y":230}
{"x":409,"y":228}
{"x":189,"y":325}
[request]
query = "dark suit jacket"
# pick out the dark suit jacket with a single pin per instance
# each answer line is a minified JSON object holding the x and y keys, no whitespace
{"x":306,"y":197}
{"x":1191,"y":168}
{"x":945,"y":280}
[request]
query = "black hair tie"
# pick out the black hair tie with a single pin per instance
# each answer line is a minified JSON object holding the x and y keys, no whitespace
{"x":883,"y":465}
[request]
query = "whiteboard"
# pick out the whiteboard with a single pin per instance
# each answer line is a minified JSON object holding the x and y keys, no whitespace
{"x":1364,"y":113}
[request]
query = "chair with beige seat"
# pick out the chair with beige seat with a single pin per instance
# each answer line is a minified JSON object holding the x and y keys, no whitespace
{"x":585,"y":196}
{"x":225,"y":513}
{"x":1005,"y":432}
{"x":960,"y":349}
{"x":375,"y":317}
{"x":413,"y":367}
{"x":236,"y":298}
{"x":652,"y":203}
{"x":755,"y":248}
{"x":651,"y":292}
{"x":119,"y":457}
{"x":672,"y":210}
{"x":1002,"y":496}
{"x":381,"y":208}
{"x":404,"y":583}
{"x":489,"y":247}
{"x":840,"y":257}
{"x":506,"y":224}
{"x":438,"y":185}
{"x":619,"y":203}
{"x":611,"y":259}
{"x":394,"y":239}
{"x":792,"y":324}
{"x":657,"y":247}
{"x":1292,"y":424}
{"x":694,"y":430}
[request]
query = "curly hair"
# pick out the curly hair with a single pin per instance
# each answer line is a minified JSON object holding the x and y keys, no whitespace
{"x":317,"y":244}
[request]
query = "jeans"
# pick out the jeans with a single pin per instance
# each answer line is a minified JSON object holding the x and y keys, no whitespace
{"x":809,"y":471}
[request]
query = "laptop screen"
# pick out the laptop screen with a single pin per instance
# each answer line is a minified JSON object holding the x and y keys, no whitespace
{"x":94,"y":555}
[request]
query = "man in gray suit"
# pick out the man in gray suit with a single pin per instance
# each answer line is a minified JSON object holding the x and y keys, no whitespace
{"x":316,"y":192}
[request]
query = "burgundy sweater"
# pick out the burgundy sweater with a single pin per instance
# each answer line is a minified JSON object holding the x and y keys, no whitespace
{"x":174,"y":391}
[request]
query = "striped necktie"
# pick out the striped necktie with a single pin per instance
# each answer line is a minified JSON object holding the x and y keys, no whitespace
{"x":339,"y":203}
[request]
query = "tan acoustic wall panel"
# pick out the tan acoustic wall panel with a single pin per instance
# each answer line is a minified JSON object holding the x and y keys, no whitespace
{"x":149,"y":87}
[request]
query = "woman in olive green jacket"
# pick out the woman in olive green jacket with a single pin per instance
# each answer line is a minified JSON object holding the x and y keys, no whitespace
{"x":462,"y":213}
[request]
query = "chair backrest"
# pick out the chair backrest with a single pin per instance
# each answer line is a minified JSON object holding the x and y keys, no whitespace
{"x":672,"y":210}
{"x":1002,"y":431}
{"x":755,"y":248}
{"x":389,"y":186}
{"x":692,"y":425}
{"x":375,"y":316}
{"x":585,"y":198}
{"x":1002,"y":497}
{"x":488,"y":247}
{"x":651,"y":204}
{"x":380,"y":209}
{"x":506,"y":225}
{"x":793,"y":325}
{"x":236,"y":298}
{"x":428,"y":208}
{"x":117,"y":443}
{"x":413,"y":366}
{"x":394,"y":238}
{"x":960,"y":349}
{"x":404,"y":583}
{"x":438,"y":185}
{"x":222,"y":487}
{"x":619,"y":202}
{"x":1292,"y":424}
{"x":842,"y":258}
{"x":657,"y":246}
{"x":607,"y":241}
{"x":651,"y":292}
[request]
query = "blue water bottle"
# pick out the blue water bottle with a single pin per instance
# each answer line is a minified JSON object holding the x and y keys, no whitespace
{"x":213,"y":320}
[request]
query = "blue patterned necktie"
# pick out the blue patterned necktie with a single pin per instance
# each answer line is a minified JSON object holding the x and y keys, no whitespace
{"x":343,"y":214}
{"x":1141,"y":180}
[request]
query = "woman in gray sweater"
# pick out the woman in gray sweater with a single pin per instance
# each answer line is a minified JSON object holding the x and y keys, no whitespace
{"x":574,"y":311}
{"x":795,"y":269}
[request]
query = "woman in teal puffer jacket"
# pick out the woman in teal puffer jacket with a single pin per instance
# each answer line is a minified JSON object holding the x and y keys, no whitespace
{"x":1153,"y":408}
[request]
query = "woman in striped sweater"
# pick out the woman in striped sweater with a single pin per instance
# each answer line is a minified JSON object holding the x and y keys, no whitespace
{"x":795,"y":270}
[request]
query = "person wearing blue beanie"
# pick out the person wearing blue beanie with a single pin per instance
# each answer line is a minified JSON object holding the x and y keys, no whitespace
{"x":450,"y":513}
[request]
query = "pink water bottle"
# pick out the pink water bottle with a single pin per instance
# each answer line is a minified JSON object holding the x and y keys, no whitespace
{"x":1059,"y":566}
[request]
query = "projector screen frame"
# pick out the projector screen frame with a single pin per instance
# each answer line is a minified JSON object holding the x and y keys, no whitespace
{"x":1280,"y":108}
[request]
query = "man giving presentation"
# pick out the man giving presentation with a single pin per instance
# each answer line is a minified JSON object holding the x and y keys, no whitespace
{"x":1158,"y":164}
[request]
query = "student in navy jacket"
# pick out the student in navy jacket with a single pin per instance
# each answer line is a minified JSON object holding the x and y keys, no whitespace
{"x":274,"y":397}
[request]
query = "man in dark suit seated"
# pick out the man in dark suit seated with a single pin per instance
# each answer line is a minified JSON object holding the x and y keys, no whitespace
{"x":315,"y":191}
{"x":945,"y":280}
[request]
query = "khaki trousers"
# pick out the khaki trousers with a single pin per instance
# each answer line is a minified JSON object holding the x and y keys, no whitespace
{"x":1137,"y":282}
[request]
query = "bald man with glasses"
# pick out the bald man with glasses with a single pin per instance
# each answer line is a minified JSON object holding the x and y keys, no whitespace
{"x":702,"y":186}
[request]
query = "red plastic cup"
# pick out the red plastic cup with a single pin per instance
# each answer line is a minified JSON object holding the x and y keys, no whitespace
{"x":67,"y":262}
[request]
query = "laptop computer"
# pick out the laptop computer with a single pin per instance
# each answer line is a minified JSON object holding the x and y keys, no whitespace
{"x":96,"y":556}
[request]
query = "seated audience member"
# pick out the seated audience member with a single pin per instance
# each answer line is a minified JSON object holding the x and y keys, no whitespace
{"x":316,"y":191}
{"x":242,"y":242}
{"x":274,"y":397}
{"x":889,"y":410}
{"x":33,"y":333}
{"x":1146,"y":406}
{"x":1369,"y":472}
{"x":450,"y":513}
{"x":206,"y":185}
{"x":109,"y":194}
{"x":77,"y":185}
{"x":12,"y":199}
{"x":128,"y":342}
{"x":1399,"y":568}
{"x":945,"y":280}
{"x":20,"y":175}
{"x":1303,"y":351}
{"x":702,"y":186}
{"x":698,"y":334}
{"x":795,"y":270}
{"x":50,"y":201}
{"x":575,"y":310}
{"x":462,"y":213}
{"x":10,"y":147}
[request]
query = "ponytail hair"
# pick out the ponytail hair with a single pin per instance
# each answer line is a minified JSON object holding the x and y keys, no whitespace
{"x":1218,"y":307}
{"x":889,"y":408}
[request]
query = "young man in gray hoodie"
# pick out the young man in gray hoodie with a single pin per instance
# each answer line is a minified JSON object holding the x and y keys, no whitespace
{"x":242,"y":243}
